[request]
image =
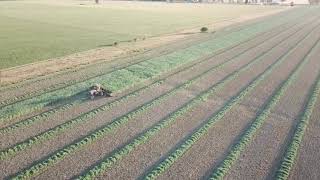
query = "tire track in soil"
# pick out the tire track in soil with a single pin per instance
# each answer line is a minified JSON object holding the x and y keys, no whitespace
{"x":258,"y":159}
{"x":67,"y":114}
{"x":187,"y":143}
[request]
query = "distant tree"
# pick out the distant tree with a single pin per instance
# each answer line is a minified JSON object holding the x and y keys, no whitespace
{"x":97,"y":1}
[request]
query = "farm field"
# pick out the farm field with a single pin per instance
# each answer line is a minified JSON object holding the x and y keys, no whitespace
{"x":36,"y":30}
{"x":241,"y":103}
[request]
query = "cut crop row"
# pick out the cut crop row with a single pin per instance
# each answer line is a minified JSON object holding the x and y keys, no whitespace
{"x":142,"y":71}
{"x":201,"y":131}
{"x":36,"y":169}
{"x":292,"y":150}
{"x":248,"y":135}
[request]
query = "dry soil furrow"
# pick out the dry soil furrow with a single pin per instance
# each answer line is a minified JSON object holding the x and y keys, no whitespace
{"x":267,"y":148}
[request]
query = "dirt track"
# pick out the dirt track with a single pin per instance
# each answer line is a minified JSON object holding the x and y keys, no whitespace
{"x":138,"y":129}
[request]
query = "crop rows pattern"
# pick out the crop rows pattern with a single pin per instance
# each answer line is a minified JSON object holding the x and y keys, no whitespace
{"x":133,"y":80}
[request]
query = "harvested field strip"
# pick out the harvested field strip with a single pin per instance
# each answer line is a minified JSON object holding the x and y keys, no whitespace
{"x":36,"y":169}
{"x":292,"y":150}
{"x":44,"y":115}
{"x":193,"y":138}
{"x":292,"y":13}
{"x":125,"y":150}
{"x":249,"y":133}
{"x":140,"y":72}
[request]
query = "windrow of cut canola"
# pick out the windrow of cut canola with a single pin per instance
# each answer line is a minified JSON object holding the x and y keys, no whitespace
{"x":44,"y":115}
{"x":249,"y":133}
{"x":128,"y":76}
{"x":201,"y":131}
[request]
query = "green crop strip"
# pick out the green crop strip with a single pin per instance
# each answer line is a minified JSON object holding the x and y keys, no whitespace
{"x":142,"y":71}
{"x":292,"y":151}
{"x":249,"y":133}
{"x":201,"y":131}
{"x":44,"y":115}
